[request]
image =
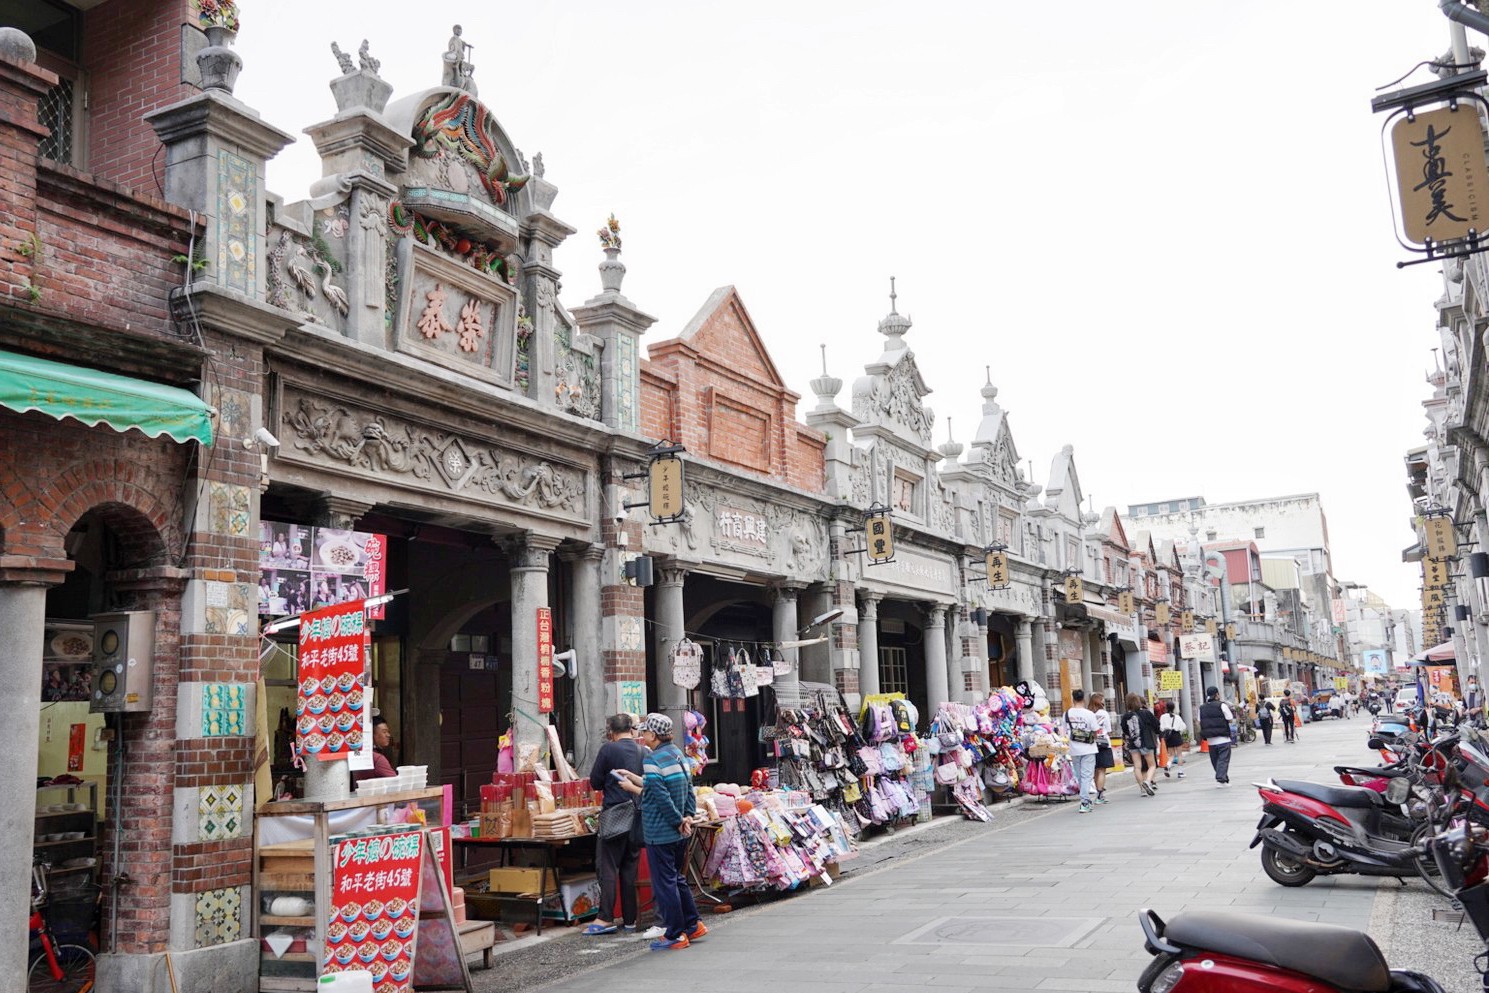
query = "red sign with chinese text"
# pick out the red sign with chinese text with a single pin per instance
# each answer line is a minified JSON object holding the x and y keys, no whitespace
{"x":374,"y":920}
{"x":77,"y":736}
{"x":545,"y":660}
{"x":331,"y":697}
{"x":375,"y":566}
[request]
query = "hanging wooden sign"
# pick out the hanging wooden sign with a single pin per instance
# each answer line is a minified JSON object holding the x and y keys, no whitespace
{"x":997,"y":569}
{"x":1075,"y":589}
{"x":1125,"y":602}
{"x":1161,"y":614}
{"x":880,"y":537}
{"x":1440,"y":540}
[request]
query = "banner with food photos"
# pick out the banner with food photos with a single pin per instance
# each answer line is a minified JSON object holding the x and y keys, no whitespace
{"x":303,"y":568}
{"x":374,"y":920}
{"x":331,"y":700}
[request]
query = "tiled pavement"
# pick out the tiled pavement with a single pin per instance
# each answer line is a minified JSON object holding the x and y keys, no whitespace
{"x":1043,"y":899}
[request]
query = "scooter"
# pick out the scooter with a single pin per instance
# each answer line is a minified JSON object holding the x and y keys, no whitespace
{"x":1308,"y":830}
{"x":1206,"y":952}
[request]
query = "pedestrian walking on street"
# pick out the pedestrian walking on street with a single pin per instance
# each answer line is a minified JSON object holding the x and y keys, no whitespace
{"x":667,"y":812}
{"x":1083,"y":729}
{"x":617,"y":856}
{"x":1288,"y":713}
{"x":1140,"y":733}
{"x":1171,"y":728}
{"x":1215,"y":719}
{"x":1104,"y":757}
{"x":1264,"y":714}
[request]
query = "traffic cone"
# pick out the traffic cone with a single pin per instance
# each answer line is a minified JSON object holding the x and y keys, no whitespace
{"x":1204,"y":745}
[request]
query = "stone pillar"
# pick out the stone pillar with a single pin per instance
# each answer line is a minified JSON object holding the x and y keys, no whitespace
{"x":784,"y":624}
{"x":530,"y":562}
{"x":23,"y":603}
{"x":672,"y":699}
{"x":589,"y":680}
{"x":1089,"y":668}
{"x":1024,"y":635}
{"x":816,"y":660}
{"x":868,"y":643}
{"x":618,"y":323}
{"x":937,"y":684}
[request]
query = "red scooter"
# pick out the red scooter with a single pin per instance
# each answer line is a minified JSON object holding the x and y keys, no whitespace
{"x":1205,"y":952}
{"x":1308,"y":830}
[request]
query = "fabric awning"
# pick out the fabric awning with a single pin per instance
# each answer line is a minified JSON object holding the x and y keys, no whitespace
{"x":60,"y":390}
{"x":1441,"y":653}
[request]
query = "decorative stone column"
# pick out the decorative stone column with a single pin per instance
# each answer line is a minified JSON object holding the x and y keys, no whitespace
{"x":1088,"y":655}
{"x":1024,"y":635}
{"x":589,"y":679}
{"x":530,"y":562}
{"x":619,"y":324}
{"x":816,"y":660}
{"x":868,"y":643}
{"x":672,"y":699}
{"x":23,"y":603}
{"x":784,"y":625}
{"x":937,"y":682}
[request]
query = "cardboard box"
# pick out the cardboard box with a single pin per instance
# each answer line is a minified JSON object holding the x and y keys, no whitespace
{"x":520,"y":880}
{"x":577,"y":896}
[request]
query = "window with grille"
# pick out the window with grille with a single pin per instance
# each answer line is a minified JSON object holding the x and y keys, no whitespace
{"x":893,"y":676}
{"x":56,"y":114}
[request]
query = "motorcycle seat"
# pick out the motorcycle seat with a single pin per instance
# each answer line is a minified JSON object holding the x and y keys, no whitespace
{"x":1334,"y":796}
{"x":1340,"y":956}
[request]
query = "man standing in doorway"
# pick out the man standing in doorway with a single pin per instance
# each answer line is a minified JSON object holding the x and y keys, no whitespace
{"x":1215,"y":719}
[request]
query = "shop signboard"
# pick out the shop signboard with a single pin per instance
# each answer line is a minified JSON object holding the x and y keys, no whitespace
{"x":915,"y":570}
{"x":545,"y":660}
{"x":304,"y":568}
{"x":1197,"y":646}
{"x":1341,"y":683}
{"x":632,"y":697}
{"x":1373,"y":660}
{"x":1210,"y":626}
{"x":1440,"y":173}
{"x":374,"y":922}
{"x":1125,"y":602}
{"x":1434,"y":573}
{"x":1157,"y":652}
{"x":997,"y":569}
{"x":1170,"y":680}
{"x":1186,"y":623}
{"x":1161,"y":614}
{"x":665,"y":487}
{"x":880,"y":538}
{"x":1440,"y":540}
{"x":330,"y":702}
{"x":1443,"y":679}
{"x":1075,"y":589}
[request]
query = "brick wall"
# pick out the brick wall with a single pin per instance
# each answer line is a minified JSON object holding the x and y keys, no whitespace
{"x":132,"y":57}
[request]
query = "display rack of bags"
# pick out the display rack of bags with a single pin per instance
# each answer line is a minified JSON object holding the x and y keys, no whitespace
{"x":771,"y":839}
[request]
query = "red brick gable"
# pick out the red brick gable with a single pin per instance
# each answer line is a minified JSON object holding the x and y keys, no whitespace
{"x":715,"y":389}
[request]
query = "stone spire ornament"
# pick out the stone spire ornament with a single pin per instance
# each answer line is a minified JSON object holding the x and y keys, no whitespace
{"x":612,"y":270}
{"x":894,"y":325}
{"x":826,"y":387}
{"x":951,"y":449}
{"x":359,"y":87}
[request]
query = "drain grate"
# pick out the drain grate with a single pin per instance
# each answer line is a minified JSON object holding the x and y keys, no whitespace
{"x":1447,"y":916}
{"x":1039,"y":932}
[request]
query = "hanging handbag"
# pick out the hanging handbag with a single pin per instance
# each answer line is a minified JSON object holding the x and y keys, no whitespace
{"x":618,"y":819}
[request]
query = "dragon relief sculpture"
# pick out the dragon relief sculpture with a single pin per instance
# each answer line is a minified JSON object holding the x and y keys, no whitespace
{"x":379,"y":445}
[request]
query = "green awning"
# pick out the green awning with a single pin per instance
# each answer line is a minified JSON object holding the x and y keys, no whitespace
{"x":60,"y":390}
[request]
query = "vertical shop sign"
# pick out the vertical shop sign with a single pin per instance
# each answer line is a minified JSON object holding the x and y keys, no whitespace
{"x":1161,"y":613}
{"x":545,"y":660}
{"x":997,"y":569}
{"x":77,"y":737}
{"x":330,"y":699}
{"x":1075,"y":589}
{"x":375,"y":571}
{"x":1442,"y":543}
{"x":374,"y":922}
{"x":1441,"y":181}
{"x":881,"y":537}
{"x":665,"y":484}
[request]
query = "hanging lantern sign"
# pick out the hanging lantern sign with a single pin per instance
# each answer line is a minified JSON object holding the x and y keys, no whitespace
{"x":1161,"y":614}
{"x":880,"y":534}
{"x":1440,"y":541}
{"x":997,"y":569}
{"x":1210,"y":626}
{"x":1440,"y":180}
{"x":664,"y":484}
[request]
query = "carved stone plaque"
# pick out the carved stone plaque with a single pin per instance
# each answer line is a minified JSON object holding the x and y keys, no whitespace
{"x":454,"y":316}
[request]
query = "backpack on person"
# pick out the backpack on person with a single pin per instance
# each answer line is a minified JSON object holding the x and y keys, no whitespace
{"x":1132,"y":729}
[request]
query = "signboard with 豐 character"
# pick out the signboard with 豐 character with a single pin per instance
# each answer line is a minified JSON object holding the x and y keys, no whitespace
{"x":880,"y":537}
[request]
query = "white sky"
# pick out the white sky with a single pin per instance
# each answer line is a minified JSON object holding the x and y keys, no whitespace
{"x":1164,"y":225}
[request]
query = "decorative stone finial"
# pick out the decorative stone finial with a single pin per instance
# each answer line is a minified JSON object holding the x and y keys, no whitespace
{"x":365,"y":59}
{"x":824,"y":386}
{"x":457,"y":65}
{"x":989,"y":394}
{"x":612,"y":270}
{"x":894,"y":324}
{"x":343,"y":60}
{"x":359,"y":87}
{"x":952,"y":449}
{"x":16,"y":45}
{"x":218,"y":64}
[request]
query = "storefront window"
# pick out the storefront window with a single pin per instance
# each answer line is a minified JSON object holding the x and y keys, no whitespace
{"x":893,"y":672}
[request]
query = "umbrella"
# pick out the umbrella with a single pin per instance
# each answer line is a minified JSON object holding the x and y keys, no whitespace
{"x":1435,"y":656}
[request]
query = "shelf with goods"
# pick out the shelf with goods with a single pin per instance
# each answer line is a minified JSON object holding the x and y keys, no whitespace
{"x":67,"y":831}
{"x":292,"y":874}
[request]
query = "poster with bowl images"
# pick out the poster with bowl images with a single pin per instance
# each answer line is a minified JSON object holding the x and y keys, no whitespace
{"x":330,"y":700}
{"x":302,"y":568}
{"x":374,"y":921}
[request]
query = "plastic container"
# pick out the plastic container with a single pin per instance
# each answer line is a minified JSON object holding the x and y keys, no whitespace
{"x":354,"y":981}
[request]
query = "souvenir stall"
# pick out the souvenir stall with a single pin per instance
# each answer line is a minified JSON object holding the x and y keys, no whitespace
{"x":1047,"y":771}
{"x":976,"y":746}
{"x":768,"y":840}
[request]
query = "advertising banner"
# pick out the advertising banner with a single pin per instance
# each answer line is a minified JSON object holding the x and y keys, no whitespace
{"x":545,"y":660}
{"x":1170,"y":679}
{"x":330,"y":701}
{"x":375,"y":907}
{"x":1197,"y":646}
{"x":303,"y":568}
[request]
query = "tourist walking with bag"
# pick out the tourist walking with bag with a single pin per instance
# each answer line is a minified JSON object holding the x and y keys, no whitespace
{"x":1288,"y":713}
{"x":1104,"y":757}
{"x":618,"y":847}
{"x":1215,"y":720}
{"x":1264,"y":715}
{"x":1083,"y":729}
{"x":667,"y":812}
{"x":1171,"y":728}
{"x":1140,"y":735}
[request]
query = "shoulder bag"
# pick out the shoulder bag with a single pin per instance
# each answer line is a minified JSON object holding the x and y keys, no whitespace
{"x":618,"y":819}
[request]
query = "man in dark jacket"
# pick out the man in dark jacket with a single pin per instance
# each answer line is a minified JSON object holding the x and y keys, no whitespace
{"x":1289,"y":714}
{"x":1215,"y":719}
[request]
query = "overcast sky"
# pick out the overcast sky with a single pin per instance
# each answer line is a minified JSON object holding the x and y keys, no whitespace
{"x":1164,"y":225}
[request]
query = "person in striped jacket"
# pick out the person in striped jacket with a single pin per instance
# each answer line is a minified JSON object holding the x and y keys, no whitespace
{"x":667,"y":813}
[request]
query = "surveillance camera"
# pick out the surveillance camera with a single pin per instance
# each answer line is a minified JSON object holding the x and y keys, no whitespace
{"x":261,"y":439}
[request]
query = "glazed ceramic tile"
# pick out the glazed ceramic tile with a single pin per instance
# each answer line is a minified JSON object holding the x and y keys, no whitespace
{"x":220,"y":812}
{"x":224,"y":708}
{"x":219,"y":917}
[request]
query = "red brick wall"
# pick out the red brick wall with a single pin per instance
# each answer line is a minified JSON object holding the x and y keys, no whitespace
{"x":132,"y":55}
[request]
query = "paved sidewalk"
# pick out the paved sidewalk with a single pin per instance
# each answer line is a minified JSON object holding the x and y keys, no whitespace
{"x":1043,"y":899}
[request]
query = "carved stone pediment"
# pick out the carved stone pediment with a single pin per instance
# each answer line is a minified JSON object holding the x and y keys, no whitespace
{"x":893,"y":398}
{"x":745,"y":530}
{"x":454,"y":316}
{"x":329,"y":433}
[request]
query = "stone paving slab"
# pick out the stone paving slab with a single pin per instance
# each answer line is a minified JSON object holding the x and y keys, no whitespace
{"x":1183,"y":849}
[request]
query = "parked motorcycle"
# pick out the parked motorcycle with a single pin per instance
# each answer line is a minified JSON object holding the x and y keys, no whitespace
{"x":1207,"y":952}
{"x":1309,"y":829}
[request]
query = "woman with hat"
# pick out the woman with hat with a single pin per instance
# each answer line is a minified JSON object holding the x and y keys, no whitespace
{"x":667,"y":811}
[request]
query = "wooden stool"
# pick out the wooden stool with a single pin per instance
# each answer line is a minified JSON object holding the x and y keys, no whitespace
{"x":478,"y":936}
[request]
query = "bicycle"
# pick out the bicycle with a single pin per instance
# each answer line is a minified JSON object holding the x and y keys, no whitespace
{"x":55,"y":968}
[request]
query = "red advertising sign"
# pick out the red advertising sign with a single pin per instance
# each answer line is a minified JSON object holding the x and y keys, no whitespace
{"x":77,"y":736}
{"x":374,"y":921}
{"x":375,"y":571}
{"x":545,"y":660}
{"x":330,"y":700}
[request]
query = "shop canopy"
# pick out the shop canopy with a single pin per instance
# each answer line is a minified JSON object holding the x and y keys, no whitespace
{"x":60,"y":390}
{"x":1435,"y":656}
